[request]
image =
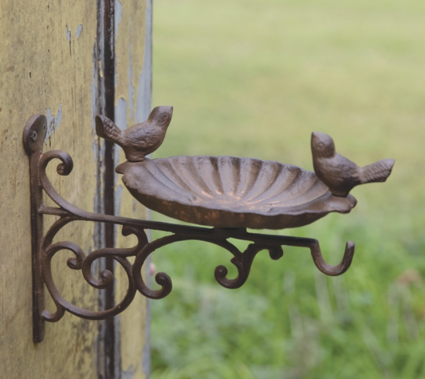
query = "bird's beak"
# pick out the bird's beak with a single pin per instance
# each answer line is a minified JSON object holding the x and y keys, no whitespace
{"x":314,"y":137}
{"x":318,"y":136}
{"x":168,"y":109}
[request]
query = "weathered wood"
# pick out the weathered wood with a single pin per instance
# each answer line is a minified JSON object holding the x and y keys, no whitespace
{"x":50,"y":65}
{"x":132,"y":104}
{"x":47,"y":67}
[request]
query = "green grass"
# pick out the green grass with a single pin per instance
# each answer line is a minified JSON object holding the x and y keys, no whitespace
{"x":255,"y":78}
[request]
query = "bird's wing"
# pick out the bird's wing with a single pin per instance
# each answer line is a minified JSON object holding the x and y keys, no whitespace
{"x":143,"y":135}
{"x":153,"y":136}
{"x":343,"y":170}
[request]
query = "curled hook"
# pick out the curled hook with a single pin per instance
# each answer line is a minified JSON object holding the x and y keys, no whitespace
{"x":328,"y":269}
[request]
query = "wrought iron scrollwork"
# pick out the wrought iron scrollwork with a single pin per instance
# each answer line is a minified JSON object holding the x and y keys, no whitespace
{"x":84,"y":263}
{"x":242,"y":262}
{"x":44,"y":249}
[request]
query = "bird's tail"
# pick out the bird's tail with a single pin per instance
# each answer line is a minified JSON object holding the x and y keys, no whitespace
{"x":377,"y":172}
{"x":106,"y":129}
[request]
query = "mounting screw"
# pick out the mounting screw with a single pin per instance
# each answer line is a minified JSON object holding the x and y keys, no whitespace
{"x":34,"y":135}
{"x":44,"y":127}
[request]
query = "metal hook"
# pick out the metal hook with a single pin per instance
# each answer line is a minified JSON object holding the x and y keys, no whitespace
{"x":328,"y":269}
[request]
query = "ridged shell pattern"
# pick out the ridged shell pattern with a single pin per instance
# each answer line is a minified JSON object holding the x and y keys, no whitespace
{"x":226,"y":185}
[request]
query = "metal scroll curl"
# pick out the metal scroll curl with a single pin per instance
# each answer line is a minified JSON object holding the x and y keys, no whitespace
{"x":62,"y":169}
{"x":84,"y":262}
{"x":81,"y":261}
{"x":242,"y":262}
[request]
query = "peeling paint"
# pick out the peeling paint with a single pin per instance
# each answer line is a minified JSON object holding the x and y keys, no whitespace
{"x":79,"y":30}
{"x":143,"y":103}
{"x":100,"y":69}
{"x":53,"y":122}
{"x":144,"y":92}
{"x":117,"y":16}
{"x":129,"y":373}
{"x":131,"y":89}
{"x":131,"y":26}
{"x":121,"y":121}
{"x":118,"y":199}
{"x":68,"y":34}
{"x":117,"y":347}
{"x":132,"y":68}
{"x":121,"y":113}
{"x":94,"y":94}
{"x":68,"y":37}
{"x":117,"y":21}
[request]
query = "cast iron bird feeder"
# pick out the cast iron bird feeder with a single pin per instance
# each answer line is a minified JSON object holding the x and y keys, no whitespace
{"x":228,"y":194}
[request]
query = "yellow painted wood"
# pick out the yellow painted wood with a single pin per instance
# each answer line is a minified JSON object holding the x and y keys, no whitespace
{"x":47,"y":66}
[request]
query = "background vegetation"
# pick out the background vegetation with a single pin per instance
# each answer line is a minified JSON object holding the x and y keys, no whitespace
{"x":255,"y":78}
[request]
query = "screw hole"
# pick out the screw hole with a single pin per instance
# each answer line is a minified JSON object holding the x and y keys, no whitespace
{"x":34,"y":135}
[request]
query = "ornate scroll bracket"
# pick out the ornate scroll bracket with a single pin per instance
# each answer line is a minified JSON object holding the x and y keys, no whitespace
{"x":43,"y":248}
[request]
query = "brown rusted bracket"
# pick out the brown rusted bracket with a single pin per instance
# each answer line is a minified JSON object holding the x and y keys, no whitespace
{"x":43,"y":247}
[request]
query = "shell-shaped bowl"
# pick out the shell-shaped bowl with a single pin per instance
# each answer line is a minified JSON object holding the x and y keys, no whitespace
{"x":230,"y":192}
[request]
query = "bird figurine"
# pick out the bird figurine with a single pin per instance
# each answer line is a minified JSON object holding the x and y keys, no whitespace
{"x":138,"y":140}
{"x":339,"y":173}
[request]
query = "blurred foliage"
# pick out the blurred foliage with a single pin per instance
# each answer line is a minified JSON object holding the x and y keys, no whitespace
{"x":255,"y":78}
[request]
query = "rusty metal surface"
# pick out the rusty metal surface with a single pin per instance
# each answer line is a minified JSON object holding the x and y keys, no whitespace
{"x":44,"y":249}
{"x":34,"y":133}
{"x":140,"y":139}
{"x":225,"y":192}
{"x":339,"y":173}
{"x":231,"y":192}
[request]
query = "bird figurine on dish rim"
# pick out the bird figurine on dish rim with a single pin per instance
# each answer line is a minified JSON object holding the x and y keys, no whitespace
{"x":339,"y":173}
{"x":140,"y":139}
